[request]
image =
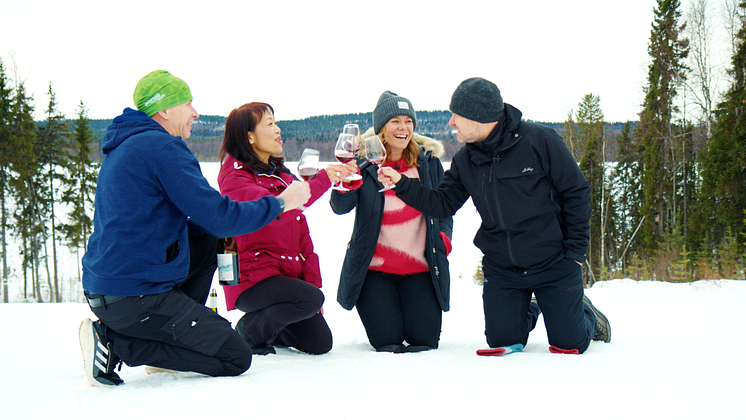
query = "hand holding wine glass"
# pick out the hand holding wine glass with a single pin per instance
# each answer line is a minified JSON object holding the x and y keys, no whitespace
{"x":375,"y":152}
{"x":344,"y":151}
{"x":295,"y":195}
{"x":388,"y":175}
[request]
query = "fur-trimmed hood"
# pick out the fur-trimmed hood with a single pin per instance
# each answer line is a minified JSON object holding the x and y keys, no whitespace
{"x":435,"y":147}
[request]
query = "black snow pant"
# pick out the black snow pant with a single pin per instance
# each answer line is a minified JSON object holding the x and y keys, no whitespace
{"x":395,"y":308}
{"x":559,"y":291}
{"x":284,"y":311}
{"x":174,"y":329}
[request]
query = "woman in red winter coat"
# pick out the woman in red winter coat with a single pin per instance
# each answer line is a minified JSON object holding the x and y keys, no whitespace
{"x":280,"y":276}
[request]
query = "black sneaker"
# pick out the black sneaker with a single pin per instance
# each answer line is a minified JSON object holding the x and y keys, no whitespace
{"x":258,"y":349}
{"x":98,"y":359}
{"x":603,"y":328}
{"x":415,"y":349}
{"x":392,"y":348}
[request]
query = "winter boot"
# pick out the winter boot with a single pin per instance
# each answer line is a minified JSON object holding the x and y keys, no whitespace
{"x":258,"y":349}
{"x":391,"y":348}
{"x":603,"y":328}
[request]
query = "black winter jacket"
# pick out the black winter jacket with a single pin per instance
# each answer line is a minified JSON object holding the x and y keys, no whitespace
{"x":529,"y":191}
{"x":368,"y":203}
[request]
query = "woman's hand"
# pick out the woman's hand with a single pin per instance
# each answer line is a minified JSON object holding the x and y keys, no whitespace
{"x":337,"y":172}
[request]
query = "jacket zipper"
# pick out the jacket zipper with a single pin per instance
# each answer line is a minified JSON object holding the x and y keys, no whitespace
{"x":501,"y":221}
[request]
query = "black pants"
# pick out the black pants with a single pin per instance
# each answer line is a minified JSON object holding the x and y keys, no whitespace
{"x":174,"y":329}
{"x":559,"y":291}
{"x":283,"y":311}
{"x":396,"y":308}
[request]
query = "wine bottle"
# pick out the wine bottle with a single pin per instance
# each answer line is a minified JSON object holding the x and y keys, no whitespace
{"x":228,"y":273}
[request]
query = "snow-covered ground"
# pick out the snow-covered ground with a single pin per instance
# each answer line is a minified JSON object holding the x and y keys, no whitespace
{"x":677,"y":352}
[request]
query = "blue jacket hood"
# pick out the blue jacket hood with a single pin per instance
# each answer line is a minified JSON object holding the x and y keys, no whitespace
{"x":131,"y":122}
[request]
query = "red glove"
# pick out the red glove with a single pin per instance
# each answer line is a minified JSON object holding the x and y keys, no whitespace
{"x":447,"y":243}
{"x":555,"y":349}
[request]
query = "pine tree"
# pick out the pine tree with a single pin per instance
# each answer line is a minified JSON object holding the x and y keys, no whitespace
{"x":80,"y":187}
{"x":721,"y":199}
{"x":51,"y":144}
{"x":591,"y":135}
{"x":571,"y":137}
{"x":28,"y":224}
{"x":656,"y":130}
{"x":626,"y":180}
{"x":6,"y":97}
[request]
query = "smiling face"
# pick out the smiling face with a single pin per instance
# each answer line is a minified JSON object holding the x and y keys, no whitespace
{"x":398,"y":132}
{"x":265,"y":139}
{"x":178,"y":119}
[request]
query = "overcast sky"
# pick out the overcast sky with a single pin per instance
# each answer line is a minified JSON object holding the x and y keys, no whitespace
{"x":310,"y":58}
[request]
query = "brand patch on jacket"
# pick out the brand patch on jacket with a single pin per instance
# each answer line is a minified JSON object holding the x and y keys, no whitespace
{"x":527,"y":169}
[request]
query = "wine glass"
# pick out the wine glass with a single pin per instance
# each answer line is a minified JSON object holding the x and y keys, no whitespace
{"x":375,"y":152}
{"x":308,"y":165}
{"x":344,"y":151}
{"x":354,"y":130}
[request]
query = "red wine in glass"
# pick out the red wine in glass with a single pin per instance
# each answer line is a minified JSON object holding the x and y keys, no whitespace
{"x":308,"y":167}
{"x":344,"y":156}
{"x":308,"y":173}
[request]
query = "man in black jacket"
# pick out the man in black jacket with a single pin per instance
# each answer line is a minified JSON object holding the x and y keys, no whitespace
{"x":534,"y":204}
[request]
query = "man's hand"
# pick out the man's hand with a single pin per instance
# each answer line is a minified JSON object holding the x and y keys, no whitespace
{"x":295,"y":195}
{"x":388,"y":176}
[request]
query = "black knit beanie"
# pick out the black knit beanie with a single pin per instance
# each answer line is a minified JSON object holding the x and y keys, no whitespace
{"x":391,"y":105}
{"x":479,"y":100}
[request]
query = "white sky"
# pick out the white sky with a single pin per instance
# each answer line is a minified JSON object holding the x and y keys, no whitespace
{"x":310,"y":58}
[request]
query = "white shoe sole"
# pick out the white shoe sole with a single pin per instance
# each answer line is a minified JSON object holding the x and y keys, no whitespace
{"x":152,"y":369}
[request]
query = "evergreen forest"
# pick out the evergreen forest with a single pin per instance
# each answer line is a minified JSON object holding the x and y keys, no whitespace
{"x":668,"y":191}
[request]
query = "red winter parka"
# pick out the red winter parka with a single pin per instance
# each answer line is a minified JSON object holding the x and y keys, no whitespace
{"x":283,"y":247}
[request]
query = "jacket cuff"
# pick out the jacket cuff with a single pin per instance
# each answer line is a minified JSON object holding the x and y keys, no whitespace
{"x":575,"y":256}
{"x":402,"y":182}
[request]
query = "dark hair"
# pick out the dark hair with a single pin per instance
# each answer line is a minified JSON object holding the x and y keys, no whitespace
{"x":239,"y":123}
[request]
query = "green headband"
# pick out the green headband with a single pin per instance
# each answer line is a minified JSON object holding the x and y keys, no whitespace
{"x":160,"y":90}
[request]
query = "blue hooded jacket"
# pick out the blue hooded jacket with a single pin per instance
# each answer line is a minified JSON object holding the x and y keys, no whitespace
{"x":149,"y":186}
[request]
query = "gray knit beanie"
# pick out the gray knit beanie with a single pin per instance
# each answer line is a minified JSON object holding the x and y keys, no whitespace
{"x":391,"y":105}
{"x":478,"y":100}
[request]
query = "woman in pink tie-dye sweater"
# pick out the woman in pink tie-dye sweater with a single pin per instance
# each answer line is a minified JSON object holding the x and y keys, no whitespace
{"x":396,"y":268}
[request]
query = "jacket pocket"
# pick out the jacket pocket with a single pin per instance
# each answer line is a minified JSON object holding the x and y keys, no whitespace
{"x":172,"y":252}
{"x":194,"y":328}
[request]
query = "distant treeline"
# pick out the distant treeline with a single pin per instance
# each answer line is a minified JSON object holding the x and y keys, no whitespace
{"x":320,"y":133}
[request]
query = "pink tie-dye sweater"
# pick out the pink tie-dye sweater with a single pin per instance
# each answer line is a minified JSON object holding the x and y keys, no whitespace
{"x":401,"y":243}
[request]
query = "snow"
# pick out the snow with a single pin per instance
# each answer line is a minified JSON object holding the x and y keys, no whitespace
{"x":677,"y":351}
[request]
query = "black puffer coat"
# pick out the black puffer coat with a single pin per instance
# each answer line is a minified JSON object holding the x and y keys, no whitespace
{"x":532,"y":197}
{"x":369,"y":211}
